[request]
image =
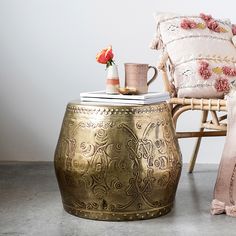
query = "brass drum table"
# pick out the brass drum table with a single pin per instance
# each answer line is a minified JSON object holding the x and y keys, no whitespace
{"x":117,"y":162}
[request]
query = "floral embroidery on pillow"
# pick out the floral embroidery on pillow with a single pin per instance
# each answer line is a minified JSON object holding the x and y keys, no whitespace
{"x":226,"y":70}
{"x":188,"y":24}
{"x":191,"y":24}
{"x":234,"y":29}
{"x":229,"y":71}
{"x":222,"y":85}
{"x":206,"y":66}
{"x":210,"y":23}
{"x":205,"y":17}
{"x":204,"y":70}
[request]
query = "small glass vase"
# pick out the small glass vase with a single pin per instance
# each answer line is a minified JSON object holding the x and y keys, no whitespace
{"x":112,"y":80}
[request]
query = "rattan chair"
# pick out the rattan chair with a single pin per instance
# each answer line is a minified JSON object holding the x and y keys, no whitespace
{"x":178,"y":106}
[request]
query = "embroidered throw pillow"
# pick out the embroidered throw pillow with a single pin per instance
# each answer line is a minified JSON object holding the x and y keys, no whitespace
{"x":201,"y":53}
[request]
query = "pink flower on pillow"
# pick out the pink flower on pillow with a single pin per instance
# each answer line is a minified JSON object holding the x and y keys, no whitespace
{"x":204,"y":64}
{"x":204,"y":70}
{"x":234,"y":29}
{"x":205,"y":73}
{"x":213,"y":25}
{"x":229,"y":71}
{"x":188,"y":24}
{"x":205,"y":17}
{"x":222,"y":85}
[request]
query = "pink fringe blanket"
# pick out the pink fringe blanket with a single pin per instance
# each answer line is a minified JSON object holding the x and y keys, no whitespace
{"x":225,"y":188}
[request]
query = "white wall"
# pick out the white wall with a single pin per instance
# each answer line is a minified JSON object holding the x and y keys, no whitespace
{"x":47,"y":57}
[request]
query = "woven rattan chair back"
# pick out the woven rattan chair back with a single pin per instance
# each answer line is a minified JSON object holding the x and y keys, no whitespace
{"x":178,"y":106}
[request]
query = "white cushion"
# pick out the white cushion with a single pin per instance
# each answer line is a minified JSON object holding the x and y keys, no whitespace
{"x":189,"y":48}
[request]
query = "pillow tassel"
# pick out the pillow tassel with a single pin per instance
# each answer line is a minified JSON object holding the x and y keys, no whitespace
{"x":154,"y":44}
{"x":163,"y":59}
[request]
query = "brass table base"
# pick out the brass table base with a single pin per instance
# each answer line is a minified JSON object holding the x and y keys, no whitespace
{"x":117,"y":162}
{"x":119,"y":216}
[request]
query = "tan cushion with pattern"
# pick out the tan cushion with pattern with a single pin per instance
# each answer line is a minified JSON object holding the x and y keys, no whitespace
{"x":201,"y":53}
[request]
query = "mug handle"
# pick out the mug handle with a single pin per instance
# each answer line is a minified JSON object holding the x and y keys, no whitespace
{"x":154,"y":76}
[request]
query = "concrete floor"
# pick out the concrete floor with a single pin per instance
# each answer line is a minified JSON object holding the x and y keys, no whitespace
{"x":30,"y":204}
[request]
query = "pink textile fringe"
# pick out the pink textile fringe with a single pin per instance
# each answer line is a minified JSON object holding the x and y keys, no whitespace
{"x":218,"y":207}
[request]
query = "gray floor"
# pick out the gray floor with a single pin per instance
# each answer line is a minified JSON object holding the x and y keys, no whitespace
{"x":30,"y":204}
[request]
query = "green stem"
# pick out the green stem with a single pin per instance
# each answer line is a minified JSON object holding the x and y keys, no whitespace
{"x":110,"y":63}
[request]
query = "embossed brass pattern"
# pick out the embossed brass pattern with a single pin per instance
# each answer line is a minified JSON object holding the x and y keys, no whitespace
{"x":117,"y":162}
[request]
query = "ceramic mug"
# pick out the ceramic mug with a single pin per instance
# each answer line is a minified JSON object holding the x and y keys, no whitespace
{"x":136,"y":76}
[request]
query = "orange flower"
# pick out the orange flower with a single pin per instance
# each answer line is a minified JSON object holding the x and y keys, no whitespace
{"x":105,"y":56}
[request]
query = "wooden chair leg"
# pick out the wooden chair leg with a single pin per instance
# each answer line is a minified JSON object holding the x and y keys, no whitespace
{"x":197,"y":144}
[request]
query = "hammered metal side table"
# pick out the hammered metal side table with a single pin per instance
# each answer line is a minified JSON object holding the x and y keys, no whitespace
{"x":117,"y":162}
